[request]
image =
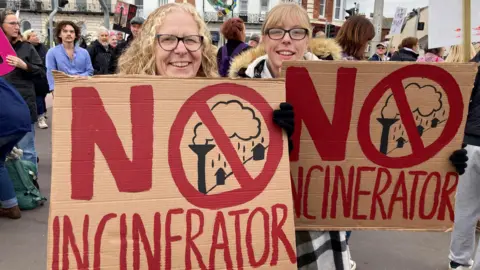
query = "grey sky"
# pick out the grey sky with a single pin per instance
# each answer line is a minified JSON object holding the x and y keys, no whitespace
{"x":366,"y":6}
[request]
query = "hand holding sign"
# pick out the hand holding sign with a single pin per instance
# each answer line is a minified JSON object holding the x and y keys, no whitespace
{"x":5,"y":50}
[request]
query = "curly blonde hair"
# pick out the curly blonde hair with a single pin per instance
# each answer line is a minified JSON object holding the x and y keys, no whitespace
{"x":139,"y":58}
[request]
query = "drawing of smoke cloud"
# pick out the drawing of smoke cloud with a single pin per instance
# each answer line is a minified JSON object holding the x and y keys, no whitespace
{"x":227,"y":114}
{"x":424,"y":100}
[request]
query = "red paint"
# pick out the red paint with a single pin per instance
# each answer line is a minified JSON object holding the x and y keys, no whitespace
{"x":169,"y":238}
{"x":123,"y":242}
{"x":297,"y":192}
{"x":359,"y":192}
{"x":138,"y":231}
{"x":307,"y":189}
{"x":97,"y":251}
{"x":279,"y":234}
{"x":420,"y":153}
{"x":376,"y":196}
{"x":413,"y":197}
{"x":220,"y":228}
{"x":56,"y":243}
{"x":266,"y":248}
{"x":399,"y":186}
{"x":447,"y":192}
{"x":238,"y":236}
{"x":69,"y":239}
{"x":190,"y":239}
{"x":329,"y":137}
{"x":347,"y":191}
{"x":251,"y":187}
{"x":326,"y":191}
{"x":91,"y":125}
{"x":424,"y":193}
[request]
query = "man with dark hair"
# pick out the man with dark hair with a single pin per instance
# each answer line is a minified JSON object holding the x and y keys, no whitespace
{"x":66,"y":57}
{"x":135,"y":28}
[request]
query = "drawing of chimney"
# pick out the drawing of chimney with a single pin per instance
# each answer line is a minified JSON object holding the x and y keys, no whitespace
{"x":201,"y":151}
{"x":221,"y":176}
{"x":259,"y":152}
{"x":386,"y":124}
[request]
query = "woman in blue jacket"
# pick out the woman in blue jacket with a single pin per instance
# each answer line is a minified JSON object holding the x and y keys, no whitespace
{"x":14,"y":124}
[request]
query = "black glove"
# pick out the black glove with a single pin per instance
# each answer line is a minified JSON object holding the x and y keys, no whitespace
{"x":284,"y":118}
{"x":459,"y":160}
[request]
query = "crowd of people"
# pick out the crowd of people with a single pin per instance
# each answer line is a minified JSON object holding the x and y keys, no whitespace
{"x":162,"y":46}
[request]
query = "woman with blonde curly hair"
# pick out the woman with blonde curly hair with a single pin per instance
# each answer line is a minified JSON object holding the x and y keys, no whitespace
{"x":168,"y":48}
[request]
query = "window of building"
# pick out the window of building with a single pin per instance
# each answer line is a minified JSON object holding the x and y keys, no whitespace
{"x":338,"y":9}
{"x":162,"y":2}
{"x":81,"y":5}
{"x":243,"y":6}
{"x":25,"y":25}
{"x":264,"y":6}
{"x":321,"y":8}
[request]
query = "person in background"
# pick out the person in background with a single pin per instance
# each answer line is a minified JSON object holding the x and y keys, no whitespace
{"x":354,"y":36}
{"x":113,"y":40}
{"x":467,"y":197}
{"x":135,"y":28}
{"x":380,"y":53}
{"x":286,"y":34}
{"x":390,"y":53}
{"x":408,"y":50}
{"x":320,"y":34}
{"x":455,"y":55}
{"x":41,"y":83}
{"x":101,"y":53}
{"x":119,"y":37}
{"x":28,"y":66}
{"x":66,"y":57}
{"x":234,"y":31}
{"x":254,"y":41}
{"x":434,"y":55}
{"x":15,"y":123}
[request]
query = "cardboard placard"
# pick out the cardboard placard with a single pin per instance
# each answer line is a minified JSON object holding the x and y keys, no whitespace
{"x":124,"y":13}
{"x":369,"y":158}
{"x":156,"y":173}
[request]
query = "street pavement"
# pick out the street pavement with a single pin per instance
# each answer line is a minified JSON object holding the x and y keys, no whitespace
{"x":23,"y":242}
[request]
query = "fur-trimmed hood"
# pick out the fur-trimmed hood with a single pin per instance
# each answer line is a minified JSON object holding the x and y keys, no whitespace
{"x":325,"y":47}
{"x":249,"y":59}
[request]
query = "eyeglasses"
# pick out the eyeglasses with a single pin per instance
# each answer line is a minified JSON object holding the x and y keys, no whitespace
{"x":294,"y":33}
{"x":13,"y":23}
{"x":381,"y":48}
{"x":170,"y":42}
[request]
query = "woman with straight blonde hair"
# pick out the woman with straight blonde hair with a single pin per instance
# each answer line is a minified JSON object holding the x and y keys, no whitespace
{"x":157,"y":49}
{"x":455,"y":54}
{"x":286,"y":34}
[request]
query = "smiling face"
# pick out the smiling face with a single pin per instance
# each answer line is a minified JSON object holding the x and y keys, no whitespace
{"x":11,"y":27}
{"x":292,"y":46}
{"x":178,"y":62}
{"x":67,"y":34}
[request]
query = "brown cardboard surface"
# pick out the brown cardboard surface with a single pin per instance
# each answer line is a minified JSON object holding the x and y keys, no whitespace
{"x":121,"y":133}
{"x":345,"y":176}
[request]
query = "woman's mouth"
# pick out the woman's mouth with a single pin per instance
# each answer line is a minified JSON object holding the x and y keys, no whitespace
{"x":180,"y":64}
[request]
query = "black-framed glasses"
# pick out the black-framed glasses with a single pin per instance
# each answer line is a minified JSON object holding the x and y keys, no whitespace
{"x":170,"y":42}
{"x":294,"y":33}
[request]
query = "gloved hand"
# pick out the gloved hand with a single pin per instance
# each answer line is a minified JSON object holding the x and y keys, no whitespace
{"x":284,"y":118}
{"x":459,"y":160}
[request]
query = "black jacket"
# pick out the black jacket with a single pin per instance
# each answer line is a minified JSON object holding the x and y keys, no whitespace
{"x":404,"y":56}
{"x":472,"y":129}
{"x":119,"y":50}
{"x":23,"y":80}
{"x":41,"y":82}
{"x":102,"y":58}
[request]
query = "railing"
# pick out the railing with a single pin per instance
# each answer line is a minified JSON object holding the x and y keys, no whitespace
{"x":254,"y":18}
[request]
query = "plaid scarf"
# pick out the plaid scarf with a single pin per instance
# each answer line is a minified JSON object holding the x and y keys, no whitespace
{"x":322,"y":250}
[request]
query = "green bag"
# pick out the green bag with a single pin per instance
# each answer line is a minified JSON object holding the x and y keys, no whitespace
{"x":24,"y":176}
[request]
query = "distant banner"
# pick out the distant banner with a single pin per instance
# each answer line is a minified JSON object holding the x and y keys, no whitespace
{"x":372,"y":143}
{"x":124,"y":13}
{"x":398,"y":20}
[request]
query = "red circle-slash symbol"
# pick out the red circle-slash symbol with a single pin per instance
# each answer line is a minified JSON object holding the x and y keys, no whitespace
{"x":250,"y":187}
{"x":420,"y":152}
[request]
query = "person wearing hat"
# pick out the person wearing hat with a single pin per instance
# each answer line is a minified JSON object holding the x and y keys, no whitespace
{"x":135,"y":28}
{"x":254,"y":40}
{"x":380,"y":54}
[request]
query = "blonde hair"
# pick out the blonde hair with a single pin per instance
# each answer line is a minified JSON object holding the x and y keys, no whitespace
{"x":277,"y":15}
{"x":27,"y":34}
{"x":140,"y":56}
{"x":455,"y":54}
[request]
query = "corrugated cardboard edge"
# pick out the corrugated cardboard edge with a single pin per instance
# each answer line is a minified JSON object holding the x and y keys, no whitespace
{"x":330,"y":228}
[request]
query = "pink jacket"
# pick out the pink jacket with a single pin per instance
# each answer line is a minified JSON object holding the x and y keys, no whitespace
{"x":430,"y":57}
